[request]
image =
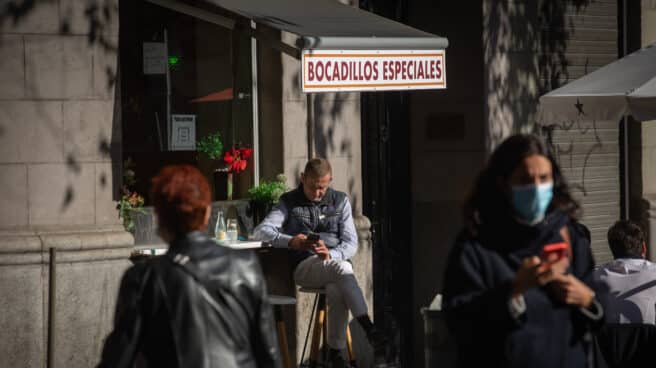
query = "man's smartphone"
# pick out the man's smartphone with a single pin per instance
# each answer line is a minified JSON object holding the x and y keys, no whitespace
{"x":314,"y":237}
{"x":554,"y":252}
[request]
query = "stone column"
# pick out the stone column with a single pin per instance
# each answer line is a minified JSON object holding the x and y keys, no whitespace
{"x":645,"y":149}
{"x":335,"y":119}
{"x":284,"y":148}
{"x":60,"y":143}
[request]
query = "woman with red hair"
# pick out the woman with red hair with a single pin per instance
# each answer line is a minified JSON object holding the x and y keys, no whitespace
{"x":200,"y":304}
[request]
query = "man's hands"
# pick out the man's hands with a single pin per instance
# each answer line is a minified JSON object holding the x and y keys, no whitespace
{"x":321,"y":250}
{"x":301,"y":242}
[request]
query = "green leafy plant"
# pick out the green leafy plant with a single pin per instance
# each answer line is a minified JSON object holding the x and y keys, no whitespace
{"x":268,"y":192}
{"x":130,"y":204}
{"x":211,"y":145}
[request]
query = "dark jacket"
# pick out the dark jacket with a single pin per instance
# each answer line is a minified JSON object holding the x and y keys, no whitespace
{"x":478,"y":287}
{"x":625,"y":345}
{"x":200,"y":305}
{"x":305,"y":216}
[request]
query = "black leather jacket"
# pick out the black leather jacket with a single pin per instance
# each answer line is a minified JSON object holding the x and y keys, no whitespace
{"x":200,"y":305}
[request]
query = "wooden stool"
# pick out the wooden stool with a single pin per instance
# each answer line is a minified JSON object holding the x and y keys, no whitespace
{"x":320,"y":319}
{"x":277,"y":301}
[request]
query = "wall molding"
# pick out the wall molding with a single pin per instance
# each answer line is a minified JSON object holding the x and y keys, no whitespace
{"x":73,"y":244}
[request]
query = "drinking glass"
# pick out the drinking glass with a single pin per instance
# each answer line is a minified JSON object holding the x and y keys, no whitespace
{"x":232,"y":230}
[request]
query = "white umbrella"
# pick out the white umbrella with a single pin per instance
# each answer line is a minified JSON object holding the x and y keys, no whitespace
{"x":624,"y":87}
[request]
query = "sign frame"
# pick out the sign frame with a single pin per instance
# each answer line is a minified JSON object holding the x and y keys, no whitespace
{"x":372,"y":70}
{"x":183,"y":132}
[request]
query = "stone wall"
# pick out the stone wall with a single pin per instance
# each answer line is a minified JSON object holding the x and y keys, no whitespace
{"x":335,"y":123}
{"x":446,"y":148}
{"x":60,"y":161}
{"x":532,"y":47}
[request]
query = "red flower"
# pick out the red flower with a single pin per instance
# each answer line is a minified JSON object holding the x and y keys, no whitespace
{"x":237,"y":159}
{"x":228,"y":158}
{"x":246,"y":153}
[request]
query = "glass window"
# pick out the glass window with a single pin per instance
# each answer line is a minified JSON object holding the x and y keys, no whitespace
{"x":182,"y":79}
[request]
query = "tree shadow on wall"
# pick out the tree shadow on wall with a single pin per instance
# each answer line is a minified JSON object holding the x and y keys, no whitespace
{"x":334,"y":137}
{"x":93,"y":20}
{"x":525,"y":50}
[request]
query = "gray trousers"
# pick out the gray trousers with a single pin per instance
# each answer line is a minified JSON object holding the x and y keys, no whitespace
{"x":343,"y":294}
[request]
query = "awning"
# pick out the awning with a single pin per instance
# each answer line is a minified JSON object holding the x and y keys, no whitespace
{"x":624,"y":87}
{"x":342,"y":48}
{"x":328,"y":24}
{"x":223,"y":95}
{"x":319,"y":24}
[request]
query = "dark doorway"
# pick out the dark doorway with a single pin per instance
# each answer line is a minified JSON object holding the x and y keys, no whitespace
{"x":387,"y":199}
{"x":387,"y":202}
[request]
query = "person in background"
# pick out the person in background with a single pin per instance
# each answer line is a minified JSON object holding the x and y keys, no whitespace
{"x":631,"y":278}
{"x":316,"y":224}
{"x":508,"y":302}
{"x":199,"y":305}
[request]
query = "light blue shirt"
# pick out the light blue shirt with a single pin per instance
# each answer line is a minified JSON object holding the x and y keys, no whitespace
{"x":270,"y":230}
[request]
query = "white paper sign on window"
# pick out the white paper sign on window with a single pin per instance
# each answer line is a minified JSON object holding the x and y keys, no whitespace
{"x":372,"y":70}
{"x":183,"y":132}
{"x":154,"y":58}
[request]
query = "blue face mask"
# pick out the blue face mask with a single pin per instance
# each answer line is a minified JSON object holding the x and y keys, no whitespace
{"x":531,"y":201}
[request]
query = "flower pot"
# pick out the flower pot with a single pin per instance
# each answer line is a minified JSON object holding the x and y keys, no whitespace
{"x":259,"y":211}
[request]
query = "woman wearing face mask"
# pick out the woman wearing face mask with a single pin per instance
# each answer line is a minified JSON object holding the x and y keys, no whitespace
{"x":505,"y":305}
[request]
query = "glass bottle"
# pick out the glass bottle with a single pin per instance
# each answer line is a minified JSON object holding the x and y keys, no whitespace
{"x":220,"y":227}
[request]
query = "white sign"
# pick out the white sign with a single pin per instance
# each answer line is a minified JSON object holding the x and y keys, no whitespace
{"x":183,"y":132}
{"x":372,"y":70}
{"x":154,"y":58}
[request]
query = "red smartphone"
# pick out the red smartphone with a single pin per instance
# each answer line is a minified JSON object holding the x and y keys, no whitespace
{"x":560,"y":250}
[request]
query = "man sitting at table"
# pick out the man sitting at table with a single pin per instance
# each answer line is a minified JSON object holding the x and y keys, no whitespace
{"x":312,"y":209}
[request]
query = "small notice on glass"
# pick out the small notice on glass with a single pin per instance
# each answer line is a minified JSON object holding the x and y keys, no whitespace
{"x":154,"y":57}
{"x":183,"y":132}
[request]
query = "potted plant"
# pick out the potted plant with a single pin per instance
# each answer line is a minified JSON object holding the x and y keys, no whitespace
{"x":131,"y":202}
{"x":128,"y":206}
{"x":264,"y":196}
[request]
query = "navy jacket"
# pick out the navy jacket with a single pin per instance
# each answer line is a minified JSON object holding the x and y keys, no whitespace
{"x":477,"y":291}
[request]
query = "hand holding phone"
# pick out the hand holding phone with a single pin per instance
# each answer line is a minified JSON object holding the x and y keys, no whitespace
{"x":552,"y":253}
{"x":321,"y":250}
{"x":313,"y":237}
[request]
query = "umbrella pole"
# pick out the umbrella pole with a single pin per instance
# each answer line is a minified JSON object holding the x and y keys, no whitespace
{"x":625,"y":169}
{"x":625,"y":119}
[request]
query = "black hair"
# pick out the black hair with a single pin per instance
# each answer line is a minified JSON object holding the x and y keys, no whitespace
{"x":488,"y":201}
{"x":626,"y":239}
